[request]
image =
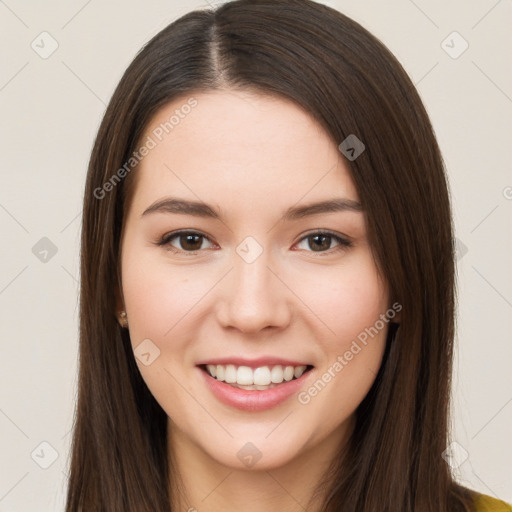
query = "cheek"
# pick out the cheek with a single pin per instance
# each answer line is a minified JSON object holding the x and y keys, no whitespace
{"x":350,"y":303}
{"x":346,"y":299}
{"x":159,"y":300}
{"x":158,"y":296}
{"x":352,"y":355}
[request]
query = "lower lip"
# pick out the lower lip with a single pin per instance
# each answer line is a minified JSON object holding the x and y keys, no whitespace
{"x":250,"y":399}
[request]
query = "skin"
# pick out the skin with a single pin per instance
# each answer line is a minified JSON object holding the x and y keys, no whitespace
{"x":297,"y":300}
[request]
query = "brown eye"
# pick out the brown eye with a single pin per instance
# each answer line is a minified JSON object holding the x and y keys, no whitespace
{"x":321,"y":242}
{"x":188,"y":241}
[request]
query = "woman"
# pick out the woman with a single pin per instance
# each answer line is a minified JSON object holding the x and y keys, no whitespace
{"x":267,"y":272}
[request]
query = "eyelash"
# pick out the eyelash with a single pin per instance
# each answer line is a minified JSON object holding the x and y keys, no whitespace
{"x":343,"y":242}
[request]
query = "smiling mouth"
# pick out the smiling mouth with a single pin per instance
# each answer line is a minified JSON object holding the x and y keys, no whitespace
{"x":261,"y":378}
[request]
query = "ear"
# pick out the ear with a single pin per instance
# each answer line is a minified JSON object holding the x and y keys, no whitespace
{"x":119,"y":304}
{"x":119,"y":294}
{"x":120,"y":312}
{"x":119,"y":300}
{"x":120,"y":308}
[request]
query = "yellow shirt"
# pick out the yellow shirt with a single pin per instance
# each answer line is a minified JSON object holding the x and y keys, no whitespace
{"x":486,"y":503}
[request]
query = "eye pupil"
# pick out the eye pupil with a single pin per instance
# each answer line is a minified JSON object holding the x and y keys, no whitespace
{"x":189,"y":240}
{"x":324,"y":237}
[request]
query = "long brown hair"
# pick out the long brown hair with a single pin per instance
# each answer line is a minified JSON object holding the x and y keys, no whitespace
{"x":352,"y":85}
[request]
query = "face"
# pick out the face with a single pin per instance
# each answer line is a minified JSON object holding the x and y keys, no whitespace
{"x":251,"y":284}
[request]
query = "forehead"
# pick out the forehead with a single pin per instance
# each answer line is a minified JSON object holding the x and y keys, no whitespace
{"x":256,"y":146}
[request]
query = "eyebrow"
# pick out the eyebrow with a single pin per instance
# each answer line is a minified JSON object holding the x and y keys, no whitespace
{"x":200,"y":209}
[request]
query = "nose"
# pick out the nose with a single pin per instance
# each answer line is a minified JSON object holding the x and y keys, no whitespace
{"x":254,"y":297}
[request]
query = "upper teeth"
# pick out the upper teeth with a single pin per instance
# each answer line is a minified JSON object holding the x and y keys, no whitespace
{"x":262,"y":376}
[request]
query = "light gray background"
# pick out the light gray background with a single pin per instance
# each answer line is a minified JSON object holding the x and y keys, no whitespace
{"x":50,"y":111}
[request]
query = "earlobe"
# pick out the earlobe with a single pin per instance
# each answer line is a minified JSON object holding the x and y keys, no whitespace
{"x":123,"y":319}
{"x":121,"y":315}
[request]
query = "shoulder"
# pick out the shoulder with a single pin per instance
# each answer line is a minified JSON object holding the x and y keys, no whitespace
{"x":484,"y":503}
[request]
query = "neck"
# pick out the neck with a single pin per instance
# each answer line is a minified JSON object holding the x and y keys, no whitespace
{"x":201,"y":484}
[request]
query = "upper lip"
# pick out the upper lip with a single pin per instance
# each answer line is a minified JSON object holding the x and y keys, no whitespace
{"x":253,"y":363}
